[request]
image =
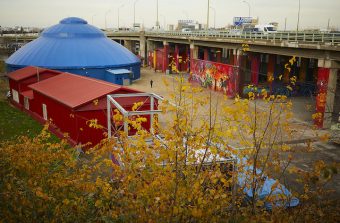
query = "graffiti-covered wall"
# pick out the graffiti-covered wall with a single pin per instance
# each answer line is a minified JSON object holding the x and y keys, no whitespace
{"x":216,"y":76}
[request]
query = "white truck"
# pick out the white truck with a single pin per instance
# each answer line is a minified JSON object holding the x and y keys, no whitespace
{"x":265,"y":29}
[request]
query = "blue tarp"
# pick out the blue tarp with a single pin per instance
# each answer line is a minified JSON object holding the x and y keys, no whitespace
{"x":280,"y":196}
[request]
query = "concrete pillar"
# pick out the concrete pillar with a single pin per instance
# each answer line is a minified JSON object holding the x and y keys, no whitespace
{"x":165,"y":56}
{"x":150,"y":47}
{"x":128,"y":44}
{"x":271,"y":66}
{"x":242,"y":61}
{"x":193,"y":54}
{"x":186,"y":59}
{"x":155,"y":60}
{"x":336,"y":107}
{"x":176,"y":57}
{"x":224,"y":53}
{"x":206,"y":54}
{"x":231,"y":57}
{"x":236,"y":54}
{"x":218,"y":55}
{"x":238,"y":70}
{"x":326,"y":88}
{"x":303,"y":69}
{"x":142,"y":48}
{"x":255,"y":69}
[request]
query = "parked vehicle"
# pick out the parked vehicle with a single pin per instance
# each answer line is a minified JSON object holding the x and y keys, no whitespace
{"x":186,"y":30}
{"x":265,"y":29}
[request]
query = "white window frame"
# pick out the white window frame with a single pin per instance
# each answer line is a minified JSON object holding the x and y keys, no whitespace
{"x":44,"y":108}
{"x":26,"y":103}
{"x":15,"y":95}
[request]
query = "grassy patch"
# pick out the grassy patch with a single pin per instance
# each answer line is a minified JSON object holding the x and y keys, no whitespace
{"x":2,"y":67}
{"x":13,"y":122}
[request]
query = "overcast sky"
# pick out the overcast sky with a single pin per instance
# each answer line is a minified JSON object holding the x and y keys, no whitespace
{"x":44,"y":13}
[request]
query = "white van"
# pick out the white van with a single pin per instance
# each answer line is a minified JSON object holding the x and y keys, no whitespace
{"x":186,"y":30}
{"x":265,"y":29}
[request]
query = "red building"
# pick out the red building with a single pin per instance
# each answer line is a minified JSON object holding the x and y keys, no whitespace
{"x":69,"y":102}
{"x":21,"y":79}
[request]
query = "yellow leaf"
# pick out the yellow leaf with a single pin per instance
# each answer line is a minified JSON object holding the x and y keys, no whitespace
{"x":98,"y":203}
{"x":196,"y":212}
{"x":324,"y":137}
{"x":95,"y":102}
{"x":66,"y":201}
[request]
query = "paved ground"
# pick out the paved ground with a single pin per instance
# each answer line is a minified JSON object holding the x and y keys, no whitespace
{"x":302,"y":107}
{"x":159,"y":88}
{"x":327,"y":151}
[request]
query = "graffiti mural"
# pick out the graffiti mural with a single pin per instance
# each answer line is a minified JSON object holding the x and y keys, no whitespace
{"x":321,"y":98}
{"x":216,"y":76}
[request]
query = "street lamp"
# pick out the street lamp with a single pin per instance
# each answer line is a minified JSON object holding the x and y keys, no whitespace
{"x":134,"y":13}
{"x":207,"y":27}
{"x":93,"y":17}
{"x":118,"y":14}
{"x":157,"y":21}
{"x":105,"y":18}
{"x":298,"y":18}
{"x":248,"y":7}
{"x":214,"y":16}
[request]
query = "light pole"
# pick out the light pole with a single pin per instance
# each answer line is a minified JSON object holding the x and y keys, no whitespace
{"x":207,"y":27}
{"x":118,"y":14}
{"x":105,"y":18}
{"x":93,"y":17}
{"x":298,"y":18}
{"x":214,"y":16}
{"x":248,"y":7}
{"x":157,"y":21}
{"x":134,"y":13}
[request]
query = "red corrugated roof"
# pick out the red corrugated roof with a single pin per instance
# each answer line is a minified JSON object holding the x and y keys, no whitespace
{"x":28,"y":94}
{"x":29,"y":71}
{"x":125,"y":102}
{"x":74,"y":90}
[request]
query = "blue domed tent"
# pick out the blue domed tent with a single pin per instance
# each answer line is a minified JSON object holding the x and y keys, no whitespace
{"x":76,"y":47}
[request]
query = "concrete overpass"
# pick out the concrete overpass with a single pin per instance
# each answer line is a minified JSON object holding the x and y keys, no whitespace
{"x":303,"y":44}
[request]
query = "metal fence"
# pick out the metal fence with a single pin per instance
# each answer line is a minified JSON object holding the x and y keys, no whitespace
{"x":320,"y":38}
{"x":297,"y":37}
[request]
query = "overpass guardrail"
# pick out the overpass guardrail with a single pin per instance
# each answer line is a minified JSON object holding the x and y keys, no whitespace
{"x":302,"y":37}
{"x":313,"y":38}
